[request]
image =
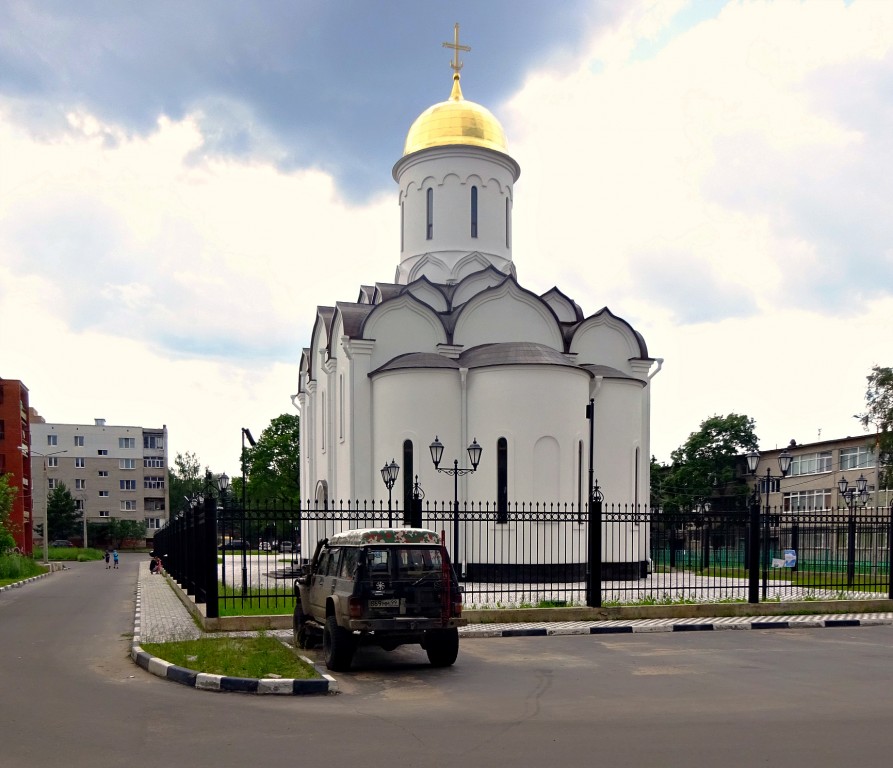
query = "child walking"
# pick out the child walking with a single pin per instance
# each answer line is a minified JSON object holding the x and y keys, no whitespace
{"x":115,"y":557}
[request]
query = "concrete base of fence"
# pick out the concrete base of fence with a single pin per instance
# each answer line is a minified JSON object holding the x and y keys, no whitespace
{"x":693,"y":611}
{"x":612,"y":613}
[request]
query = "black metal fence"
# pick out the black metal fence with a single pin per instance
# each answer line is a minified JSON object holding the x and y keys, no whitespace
{"x":245,"y":560}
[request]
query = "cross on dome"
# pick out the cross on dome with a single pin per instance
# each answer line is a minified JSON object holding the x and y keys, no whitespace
{"x":455,"y":64}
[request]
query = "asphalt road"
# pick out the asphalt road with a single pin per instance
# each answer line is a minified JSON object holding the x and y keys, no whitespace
{"x":813,"y":697}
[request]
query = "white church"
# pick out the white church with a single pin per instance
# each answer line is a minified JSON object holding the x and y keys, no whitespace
{"x":457,"y":348}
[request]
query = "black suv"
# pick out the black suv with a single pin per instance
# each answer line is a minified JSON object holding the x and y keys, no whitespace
{"x":382,"y":586}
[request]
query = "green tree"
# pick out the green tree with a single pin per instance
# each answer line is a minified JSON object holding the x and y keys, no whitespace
{"x":121,"y":531}
{"x":879,"y":412}
{"x":63,"y":515}
{"x":185,"y":480}
{"x":7,"y":496}
{"x":705,"y":466}
{"x":272,"y":465}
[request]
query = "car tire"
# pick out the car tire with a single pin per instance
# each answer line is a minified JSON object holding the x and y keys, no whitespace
{"x":303,"y":636}
{"x":338,"y":646}
{"x":442,"y":646}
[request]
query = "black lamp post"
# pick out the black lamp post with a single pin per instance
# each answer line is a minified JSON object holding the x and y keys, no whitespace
{"x":389,"y":474}
{"x":474,"y":456}
{"x":852,"y":497}
{"x":784,"y":466}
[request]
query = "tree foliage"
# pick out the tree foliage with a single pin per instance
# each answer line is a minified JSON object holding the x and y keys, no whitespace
{"x":272,"y":465}
{"x":185,"y":479}
{"x":879,"y":413}
{"x":63,"y":516}
{"x":7,"y":496}
{"x":705,"y":466}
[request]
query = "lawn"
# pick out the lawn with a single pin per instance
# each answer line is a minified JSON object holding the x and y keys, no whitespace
{"x":251,"y":657}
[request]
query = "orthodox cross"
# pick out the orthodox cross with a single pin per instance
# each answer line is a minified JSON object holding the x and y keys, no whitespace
{"x":455,"y":63}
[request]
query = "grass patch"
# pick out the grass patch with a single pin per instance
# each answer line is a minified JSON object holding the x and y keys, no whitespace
{"x":15,"y":568}
{"x":70,"y":554}
{"x":252,"y":657}
{"x":233,"y":603}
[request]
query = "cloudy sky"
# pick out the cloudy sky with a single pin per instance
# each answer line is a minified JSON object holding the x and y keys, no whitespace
{"x":181,"y":184}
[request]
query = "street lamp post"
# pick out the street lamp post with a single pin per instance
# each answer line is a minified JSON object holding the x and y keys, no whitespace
{"x":389,"y":474}
{"x":784,"y":466}
{"x":851,"y":497}
{"x":27,"y":451}
{"x":474,"y":456}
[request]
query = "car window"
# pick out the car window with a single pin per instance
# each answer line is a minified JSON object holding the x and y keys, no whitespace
{"x":418,"y":560}
{"x":332,"y":562}
{"x":378,"y":562}
{"x":349,"y":559}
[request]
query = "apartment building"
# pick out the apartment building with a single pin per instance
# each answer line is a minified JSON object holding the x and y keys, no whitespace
{"x":111,"y":471}
{"x":816,"y":469}
{"x":14,"y":439}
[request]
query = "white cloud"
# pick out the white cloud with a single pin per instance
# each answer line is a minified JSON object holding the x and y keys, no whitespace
{"x":717,"y":194}
{"x":154,"y":285}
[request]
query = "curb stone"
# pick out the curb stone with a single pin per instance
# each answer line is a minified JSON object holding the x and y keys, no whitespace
{"x":641,"y":626}
{"x":22,"y":583}
{"x":206,"y":682}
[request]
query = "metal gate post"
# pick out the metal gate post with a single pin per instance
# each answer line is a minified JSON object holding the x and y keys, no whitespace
{"x":594,"y":553}
{"x":209,"y":549}
{"x":753,"y":539}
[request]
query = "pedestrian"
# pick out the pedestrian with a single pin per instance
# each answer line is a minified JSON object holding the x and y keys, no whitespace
{"x":115,"y":557}
{"x":107,"y":556}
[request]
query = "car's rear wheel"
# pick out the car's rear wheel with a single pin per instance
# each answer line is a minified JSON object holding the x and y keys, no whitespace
{"x":442,"y":646}
{"x":338,"y":646}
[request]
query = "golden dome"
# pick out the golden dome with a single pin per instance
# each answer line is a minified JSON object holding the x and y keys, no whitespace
{"x":455,"y":121}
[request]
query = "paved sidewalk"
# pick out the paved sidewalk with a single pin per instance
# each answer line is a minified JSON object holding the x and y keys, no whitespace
{"x":161,"y":616}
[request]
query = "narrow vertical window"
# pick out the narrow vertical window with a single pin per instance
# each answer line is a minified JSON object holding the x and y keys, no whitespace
{"x":408,"y":471}
{"x":341,"y":406}
{"x":322,"y":431}
{"x":580,"y":480}
{"x":508,"y":224}
{"x":502,"y":480}
{"x":429,"y":219}
{"x":402,"y":224}
{"x":474,"y":211}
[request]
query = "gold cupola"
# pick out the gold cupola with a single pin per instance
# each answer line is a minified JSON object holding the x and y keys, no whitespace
{"x":455,"y":121}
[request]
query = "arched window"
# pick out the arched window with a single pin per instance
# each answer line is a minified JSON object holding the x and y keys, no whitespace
{"x":502,"y":480}
{"x":429,"y":219}
{"x":474,"y":211}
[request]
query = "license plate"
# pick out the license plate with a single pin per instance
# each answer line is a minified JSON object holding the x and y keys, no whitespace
{"x":393,"y":603}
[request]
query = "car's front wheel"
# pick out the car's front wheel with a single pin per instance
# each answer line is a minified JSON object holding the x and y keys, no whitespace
{"x":442,"y":646}
{"x":304,"y":637}
{"x":338,"y":646}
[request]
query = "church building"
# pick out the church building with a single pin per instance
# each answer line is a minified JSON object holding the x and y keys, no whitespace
{"x":455,"y":347}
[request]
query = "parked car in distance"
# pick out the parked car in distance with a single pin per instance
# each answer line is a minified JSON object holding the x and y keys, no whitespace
{"x":379,"y":586}
{"x":233,"y":544}
{"x":61,"y":543}
{"x":287,"y":546}
{"x":268,"y":546}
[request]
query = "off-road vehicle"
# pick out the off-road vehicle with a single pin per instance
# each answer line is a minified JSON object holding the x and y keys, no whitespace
{"x":382,"y":586}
